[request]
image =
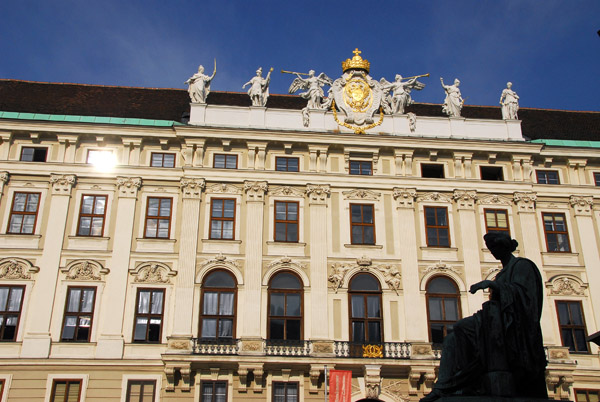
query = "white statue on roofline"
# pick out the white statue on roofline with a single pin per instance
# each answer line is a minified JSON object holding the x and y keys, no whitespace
{"x":259,"y":88}
{"x":199,"y":84}
{"x":454,"y":102}
{"x":510,"y":103}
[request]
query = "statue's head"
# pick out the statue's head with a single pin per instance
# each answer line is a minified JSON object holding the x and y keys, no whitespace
{"x":456,"y":82}
{"x":398,"y":77}
{"x":200,"y":68}
{"x":508,"y":84}
{"x":500,"y":244}
{"x":259,"y":71}
{"x":311,"y":73}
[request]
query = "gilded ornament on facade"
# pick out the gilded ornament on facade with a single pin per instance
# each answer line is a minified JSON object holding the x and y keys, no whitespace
{"x":372,"y":350}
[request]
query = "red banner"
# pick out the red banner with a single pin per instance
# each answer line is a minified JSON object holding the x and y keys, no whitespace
{"x":340,"y":385}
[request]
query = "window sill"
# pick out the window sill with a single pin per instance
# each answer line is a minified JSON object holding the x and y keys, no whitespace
{"x":155,"y":245}
{"x":286,"y":243}
{"x":439,"y":248}
{"x":375,"y":246}
{"x":18,"y":240}
{"x":87,"y":243}
{"x":221,"y":241}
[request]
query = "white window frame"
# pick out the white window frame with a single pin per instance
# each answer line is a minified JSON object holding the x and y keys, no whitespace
{"x":141,"y":377}
{"x":71,"y":376}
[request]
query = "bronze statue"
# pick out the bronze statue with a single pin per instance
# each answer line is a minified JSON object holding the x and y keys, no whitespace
{"x":498,"y":351}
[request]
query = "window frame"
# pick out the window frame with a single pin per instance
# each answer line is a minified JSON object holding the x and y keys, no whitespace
{"x":286,"y":221}
{"x":285,"y":384}
{"x":4,"y":313}
{"x":68,"y":381}
{"x":556,"y":232}
{"x":148,"y":315}
{"x":544,"y":173}
{"x":572,"y":327}
{"x":225,"y":156}
{"x":362,"y":224}
{"x":437,"y":227}
{"x":287,"y":160}
{"x":443,"y":296}
{"x":285,"y":317}
{"x":162,"y":160}
{"x":587,"y":393}
{"x":495,"y":169}
{"x":361,"y":169}
{"x":213,"y":383}
{"x":78,"y":314}
{"x":34,"y":149}
{"x":218,"y":317}
{"x":596,"y":177}
{"x":365,"y":320}
{"x":92,"y":215}
{"x":222,"y":219}
{"x":158,"y":217}
{"x":488,"y":228}
{"x":13,"y":212}
{"x":142,"y":382}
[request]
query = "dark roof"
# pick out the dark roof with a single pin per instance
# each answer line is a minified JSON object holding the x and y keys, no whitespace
{"x":173,"y":104}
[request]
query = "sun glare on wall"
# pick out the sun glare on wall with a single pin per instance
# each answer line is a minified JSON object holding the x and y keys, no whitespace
{"x":103,"y":161}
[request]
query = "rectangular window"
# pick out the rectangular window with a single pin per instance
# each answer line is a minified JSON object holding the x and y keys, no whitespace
{"x":99,"y":157}
{"x":23,"y":213}
{"x":491,"y":173}
{"x":285,"y":392}
{"x":222,"y":218}
{"x":148,"y":315}
{"x":597,"y":178}
{"x":213,"y":391}
{"x":361,"y":167}
{"x":557,"y":236}
{"x":362,"y":222}
{"x":65,"y":391}
{"x":572,"y":326}
{"x":79,"y":314}
{"x":160,"y":159}
{"x":286,"y":221}
{"x":91,"y":216}
{"x":436,"y":227}
{"x":547,"y":177}
{"x":287,"y":164}
{"x":158,"y":218}
{"x":432,"y":170}
{"x":2,"y":385}
{"x":34,"y":154}
{"x":141,"y":391}
{"x":225,"y":161}
{"x":11,"y":303}
{"x":587,"y":395}
{"x":496,"y":220}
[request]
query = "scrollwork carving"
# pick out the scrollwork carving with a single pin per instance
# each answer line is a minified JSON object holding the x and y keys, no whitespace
{"x":566,"y":286}
{"x":361,"y":194}
{"x":435,"y":197}
{"x":224,"y":188}
{"x":128,"y":186}
{"x":62,"y":184}
{"x":16,"y":268}
{"x":465,"y":198}
{"x":153,"y":272}
{"x":525,"y":201}
{"x":405,"y":196}
{"x":191,"y":188}
{"x":318,"y":193}
{"x":582,"y":204}
{"x":84,"y":270}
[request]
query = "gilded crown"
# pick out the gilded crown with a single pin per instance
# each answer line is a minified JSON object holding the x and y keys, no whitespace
{"x":356,"y":62}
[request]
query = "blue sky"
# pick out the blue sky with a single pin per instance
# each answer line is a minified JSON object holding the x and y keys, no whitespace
{"x":549,"y":49}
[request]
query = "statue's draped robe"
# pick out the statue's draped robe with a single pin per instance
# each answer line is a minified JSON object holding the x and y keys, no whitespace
{"x":452,"y":104}
{"x":505,"y":336}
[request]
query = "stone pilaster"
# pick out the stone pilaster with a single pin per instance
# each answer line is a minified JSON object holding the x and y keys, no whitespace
{"x":110,"y":336}
{"x":319,"y":235}
{"x":36,"y":342}
{"x":191,"y":190}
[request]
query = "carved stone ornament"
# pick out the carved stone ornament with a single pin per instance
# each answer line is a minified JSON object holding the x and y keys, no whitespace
{"x":224,"y":188}
{"x":412,"y":121}
{"x":337,"y":277}
{"x":395,"y":388}
{"x":465,"y":198}
{"x":255,"y":190}
{"x":191,"y":188}
{"x":372,"y":375}
{"x":318,"y":193}
{"x":4,"y":177}
{"x":525,"y":201}
{"x":494,"y":199}
{"x":435,"y":197}
{"x":440,"y":267}
{"x":361,"y":194}
{"x":286,"y":262}
{"x":220,"y":260}
{"x":128,"y":186}
{"x":16,"y":268}
{"x":364,"y":261}
{"x":582,"y":204}
{"x":153,"y":272}
{"x":566,"y":286}
{"x":62,"y":184}
{"x":392,"y":276}
{"x":405,"y":196}
{"x":492,"y":272}
{"x":286,"y":191}
{"x":84,"y":270}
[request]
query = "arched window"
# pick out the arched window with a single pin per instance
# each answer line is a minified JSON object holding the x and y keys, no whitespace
{"x":366,"y":324}
{"x":285,"y":307}
{"x":443,"y":307}
{"x":217,"y":319}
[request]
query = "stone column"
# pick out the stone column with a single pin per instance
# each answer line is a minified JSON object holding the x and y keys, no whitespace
{"x":37,"y":341}
{"x":465,"y":201}
{"x":317,"y":200}
{"x":131,"y":151}
{"x":414,"y":309}
{"x":582,"y":206}
{"x":110,"y":338}
{"x":251,"y":308}
{"x":191,"y":189}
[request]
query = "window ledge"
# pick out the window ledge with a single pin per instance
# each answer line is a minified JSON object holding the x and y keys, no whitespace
{"x":376,"y":246}
{"x":155,"y":239}
{"x":76,"y":237}
{"x":438,"y":248}
{"x":20,"y":235}
{"x":221,"y":241}
{"x":559,"y":253}
{"x":287,"y":244}
{"x":17,"y":240}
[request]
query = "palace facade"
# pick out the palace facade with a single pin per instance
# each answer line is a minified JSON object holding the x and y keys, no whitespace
{"x":155,"y":251}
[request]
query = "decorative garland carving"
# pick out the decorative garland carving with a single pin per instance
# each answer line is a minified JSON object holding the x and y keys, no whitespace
{"x":286,"y":262}
{"x":153,"y":272}
{"x":566,"y":286}
{"x":434,"y":196}
{"x":391,"y":274}
{"x":221,"y":260}
{"x":286,"y":191}
{"x":84,"y":270}
{"x":361,"y":194}
{"x":494,"y":199}
{"x":441,"y":267}
{"x":223,"y":188}
{"x":16,"y":268}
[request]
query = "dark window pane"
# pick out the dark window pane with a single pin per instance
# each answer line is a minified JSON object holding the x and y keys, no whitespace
{"x":357,"y":234}
{"x":358,"y":306}
{"x":441,"y":285}
{"x":369,"y":236}
{"x":293,"y":330}
{"x":374,"y":332}
{"x":373,"y":307}
{"x":280,"y":231}
{"x":292,"y":234}
{"x":437,"y":333}
{"x":358,"y":331}
{"x":451,"y":309}
{"x":276,"y":329}
{"x":364,"y":282}
{"x":356,"y":212}
{"x":219,"y":279}
{"x":435,"y":308}
{"x":580,"y":340}
{"x":285,"y":280}
{"x":277,"y":304}
{"x":293,"y":305}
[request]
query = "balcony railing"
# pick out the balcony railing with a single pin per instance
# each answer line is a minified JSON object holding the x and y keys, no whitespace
{"x":386,"y":350}
{"x":203,"y":346}
{"x":276,"y":347}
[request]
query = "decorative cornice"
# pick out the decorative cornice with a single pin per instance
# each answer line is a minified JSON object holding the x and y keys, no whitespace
{"x":16,"y":268}
{"x":465,"y":198}
{"x":255,"y":190}
{"x":440,"y":267}
{"x":286,"y":262}
{"x":435,"y":197}
{"x":494,"y":199}
{"x":318,"y":193}
{"x":286,"y":191}
{"x":582,"y":204}
{"x":220,"y":259}
{"x":62,"y":183}
{"x":84,"y":270}
{"x":564,"y":285}
{"x":223,"y":188}
{"x":361,"y":194}
{"x":191,"y":187}
{"x":128,"y":186}
{"x":153,"y":272}
{"x":525,"y":201}
{"x":405,"y":197}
